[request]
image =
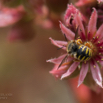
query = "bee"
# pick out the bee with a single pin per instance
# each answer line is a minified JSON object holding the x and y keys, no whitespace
{"x":78,"y":50}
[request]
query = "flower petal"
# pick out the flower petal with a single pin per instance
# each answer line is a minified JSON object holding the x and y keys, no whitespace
{"x":80,"y":25}
{"x":101,"y":61}
{"x":100,"y":1}
{"x":83,"y":73}
{"x":71,"y":69}
{"x":92,"y":24}
{"x":57,"y":60}
{"x":59,"y":72}
{"x":59,"y":43}
{"x":69,"y":34}
{"x":69,"y":15}
{"x":95,"y":70}
{"x":99,"y":32}
{"x":70,"y":11}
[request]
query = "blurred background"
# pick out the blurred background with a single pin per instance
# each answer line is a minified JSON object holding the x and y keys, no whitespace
{"x":24,"y":72}
{"x":25,"y":28}
{"x":24,"y":49}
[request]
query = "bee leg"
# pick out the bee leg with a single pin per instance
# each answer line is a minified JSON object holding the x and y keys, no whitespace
{"x":61,"y":47}
{"x":65,"y":37}
{"x":76,"y":34}
{"x":76,"y":60}
{"x":88,"y":44}
{"x":79,"y":41}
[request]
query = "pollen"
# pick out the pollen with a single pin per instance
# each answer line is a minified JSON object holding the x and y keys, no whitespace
{"x":79,"y":41}
{"x":102,"y":59}
{"x":85,"y":62}
{"x":101,"y":47}
{"x":99,"y":53}
{"x":98,"y":42}
{"x":76,"y":26}
{"x":80,"y":29}
{"x":97,"y":37}
{"x":93,"y":37}
{"x":88,"y":44}
{"x":97,"y":61}
{"x":94,"y":66}
{"x":79,"y":67}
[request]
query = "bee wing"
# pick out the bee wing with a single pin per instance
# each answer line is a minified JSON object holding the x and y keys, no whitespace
{"x":65,"y":37}
{"x":76,"y":33}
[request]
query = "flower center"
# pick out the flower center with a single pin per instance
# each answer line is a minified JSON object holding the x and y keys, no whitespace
{"x":93,"y":48}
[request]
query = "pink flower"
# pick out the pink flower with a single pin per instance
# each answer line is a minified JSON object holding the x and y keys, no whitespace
{"x":91,"y":38}
{"x":70,"y":14}
{"x":9,"y":16}
{"x":100,"y":1}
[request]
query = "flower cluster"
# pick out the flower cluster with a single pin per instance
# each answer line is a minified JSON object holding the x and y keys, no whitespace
{"x":87,"y":34}
{"x":18,"y":13}
{"x":100,"y":1}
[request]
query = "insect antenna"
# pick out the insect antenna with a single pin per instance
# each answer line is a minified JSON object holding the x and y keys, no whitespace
{"x":61,"y":47}
{"x":76,"y":33}
{"x":65,"y":37}
{"x":62,"y":61}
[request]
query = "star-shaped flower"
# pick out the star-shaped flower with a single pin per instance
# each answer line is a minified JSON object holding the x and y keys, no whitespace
{"x":93,"y":39}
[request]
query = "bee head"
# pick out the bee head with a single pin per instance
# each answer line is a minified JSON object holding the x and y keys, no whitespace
{"x":72,"y":47}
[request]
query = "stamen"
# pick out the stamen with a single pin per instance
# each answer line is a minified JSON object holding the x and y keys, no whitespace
{"x":99,"y":53}
{"x":79,"y":14}
{"x":93,"y":37}
{"x":82,"y":36}
{"x":94,"y":66}
{"x":101,"y":47}
{"x":79,"y":67}
{"x":76,"y":26}
{"x":102,"y":59}
{"x":97,"y":61}
{"x":84,"y":61}
{"x":65,"y":37}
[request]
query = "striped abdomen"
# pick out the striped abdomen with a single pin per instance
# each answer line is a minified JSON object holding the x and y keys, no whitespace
{"x":84,"y":53}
